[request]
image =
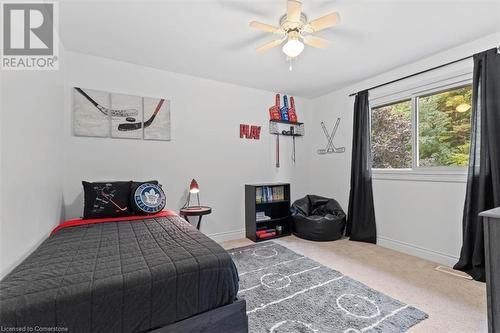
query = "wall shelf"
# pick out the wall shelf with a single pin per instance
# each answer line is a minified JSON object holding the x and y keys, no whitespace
{"x":283,"y":127}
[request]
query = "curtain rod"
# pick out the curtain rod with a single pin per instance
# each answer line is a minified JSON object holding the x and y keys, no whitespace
{"x":418,"y":73}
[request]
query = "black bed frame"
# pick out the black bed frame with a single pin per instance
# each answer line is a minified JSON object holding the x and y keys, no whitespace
{"x":228,"y":318}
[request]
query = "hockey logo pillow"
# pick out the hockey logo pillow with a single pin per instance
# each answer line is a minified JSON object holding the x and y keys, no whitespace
{"x":148,"y":198}
{"x":106,"y":199}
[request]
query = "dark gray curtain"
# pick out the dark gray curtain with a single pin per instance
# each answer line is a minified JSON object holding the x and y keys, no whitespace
{"x":361,"y":213}
{"x":483,"y":183}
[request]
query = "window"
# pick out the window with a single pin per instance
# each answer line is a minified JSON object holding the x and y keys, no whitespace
{"x":444,"y":128}
{"x":391,"y":136}
{"x":425,"y":131}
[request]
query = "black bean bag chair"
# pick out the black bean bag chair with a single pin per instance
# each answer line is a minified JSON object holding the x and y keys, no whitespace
{"x":318,"y":218}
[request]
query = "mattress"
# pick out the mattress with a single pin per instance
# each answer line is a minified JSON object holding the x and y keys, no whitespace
{"x":118,"y":276}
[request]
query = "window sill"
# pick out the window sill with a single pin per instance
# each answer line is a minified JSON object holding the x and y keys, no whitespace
{"x":445,"y":176}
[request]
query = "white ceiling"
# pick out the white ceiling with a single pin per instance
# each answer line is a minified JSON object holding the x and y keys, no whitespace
{"x":212,"y":39}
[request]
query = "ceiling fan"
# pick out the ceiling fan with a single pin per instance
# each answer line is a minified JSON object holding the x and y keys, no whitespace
{"x":296,"y":30}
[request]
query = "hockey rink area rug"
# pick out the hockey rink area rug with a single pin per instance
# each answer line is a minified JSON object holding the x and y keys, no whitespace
{"x":287,"y":293}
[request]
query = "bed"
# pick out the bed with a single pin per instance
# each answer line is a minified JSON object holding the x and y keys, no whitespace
{"x":136,"y":274}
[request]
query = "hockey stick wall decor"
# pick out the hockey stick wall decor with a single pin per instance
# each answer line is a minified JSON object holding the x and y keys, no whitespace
{"x":138,"y":125}
{"x":330,"y":147}
{"x":285,"y":129}
{"x":129,"y":113}
{"x":277,"y":151}
{"x":105,"y":114}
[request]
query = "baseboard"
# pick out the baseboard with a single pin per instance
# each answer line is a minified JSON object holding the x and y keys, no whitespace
{"x":228,"y":235}
{"x":417,"y":251}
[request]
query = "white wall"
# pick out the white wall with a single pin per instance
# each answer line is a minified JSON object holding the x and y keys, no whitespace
{"x":205,"y":142}
{"x":31,"y":156}
{"x":422,"y":218}
{"x":43,"y":164}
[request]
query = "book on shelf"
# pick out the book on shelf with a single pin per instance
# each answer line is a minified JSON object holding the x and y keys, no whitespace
{"x":258,"y":195}
{"x":265,"y":233}
{"x":278,"y":193}
{"x":281,"y":193}
{"x":260,"y":231}
{"x":265,"y":194}
{"x":261,"y":216}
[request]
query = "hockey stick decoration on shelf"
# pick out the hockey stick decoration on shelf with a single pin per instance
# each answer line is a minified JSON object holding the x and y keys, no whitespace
{"x":286,"y":129}
{"x":283,"y":122}
{"x":277,"y":151}
{"x":330,"y":147}
{"x":128,"y":113}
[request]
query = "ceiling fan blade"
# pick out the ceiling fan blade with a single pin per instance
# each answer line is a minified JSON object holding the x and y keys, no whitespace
{"x":294,"y":9}
{"x":314,"y":41}
{"x":270,"y":45}
{"x":324,"y":22}
{"x":264,"y":27}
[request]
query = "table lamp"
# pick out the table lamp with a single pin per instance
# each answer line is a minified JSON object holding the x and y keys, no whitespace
{"x":193,"y":189}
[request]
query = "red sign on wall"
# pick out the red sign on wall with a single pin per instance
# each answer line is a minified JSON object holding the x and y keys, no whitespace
{"x":249,"y":132}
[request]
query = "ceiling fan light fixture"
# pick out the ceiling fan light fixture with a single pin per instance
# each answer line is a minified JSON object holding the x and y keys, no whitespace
{"x":293,"y":47}
{"x":295,"y":28}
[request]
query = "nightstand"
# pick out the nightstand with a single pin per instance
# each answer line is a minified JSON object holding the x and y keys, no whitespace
{"x":195,"y":211}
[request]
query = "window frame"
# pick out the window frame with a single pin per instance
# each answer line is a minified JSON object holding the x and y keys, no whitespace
{"x":416,"y":172}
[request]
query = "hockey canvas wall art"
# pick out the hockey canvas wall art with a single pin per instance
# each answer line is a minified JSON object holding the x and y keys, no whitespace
{"x":104,"y":114}
{"x":125,"y":102}
{"x":91,"y":114}
{"x":156,"y":119}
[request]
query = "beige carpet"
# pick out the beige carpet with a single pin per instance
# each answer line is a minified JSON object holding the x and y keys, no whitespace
{"x":454,"y":304}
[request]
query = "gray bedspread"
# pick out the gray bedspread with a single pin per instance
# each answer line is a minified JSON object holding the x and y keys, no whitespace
{"x":127,"y":276}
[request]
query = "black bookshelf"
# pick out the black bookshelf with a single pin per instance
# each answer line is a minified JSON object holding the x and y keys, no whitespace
{"x":277,"y":209}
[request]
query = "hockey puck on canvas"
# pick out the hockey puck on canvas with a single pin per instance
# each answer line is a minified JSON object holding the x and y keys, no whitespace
{"x":148,"y":198}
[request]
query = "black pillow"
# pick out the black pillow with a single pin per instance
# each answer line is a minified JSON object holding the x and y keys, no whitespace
{"x":106,"y":199}
{"x":147,"y":198}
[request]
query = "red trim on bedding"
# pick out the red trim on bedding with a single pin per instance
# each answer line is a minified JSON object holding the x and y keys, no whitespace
{"x":77,"y":222}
